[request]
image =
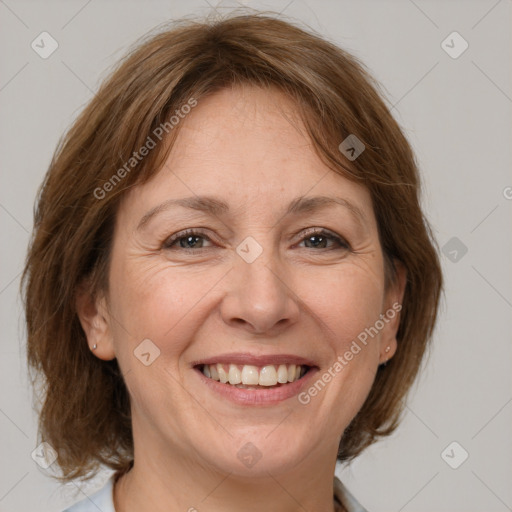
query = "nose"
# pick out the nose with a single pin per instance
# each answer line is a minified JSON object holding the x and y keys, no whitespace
{"x":259,"y":298}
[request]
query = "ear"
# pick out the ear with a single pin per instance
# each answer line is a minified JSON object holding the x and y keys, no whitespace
{"x":95,"y":320}
{"x":392,"y":306}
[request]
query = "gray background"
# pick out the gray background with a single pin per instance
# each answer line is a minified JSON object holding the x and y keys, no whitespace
{"x":456,"y":112}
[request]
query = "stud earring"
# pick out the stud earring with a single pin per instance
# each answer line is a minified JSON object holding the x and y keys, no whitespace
{"x":94,"y":347}
{"x":386,"y":350}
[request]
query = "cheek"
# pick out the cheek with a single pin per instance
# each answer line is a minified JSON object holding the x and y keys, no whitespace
{"x":348,"y":305}
{"x":346,"y":302}
{"x":158,"y":302}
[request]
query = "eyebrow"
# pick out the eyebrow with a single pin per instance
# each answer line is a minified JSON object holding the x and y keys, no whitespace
{"x":217,"y":207}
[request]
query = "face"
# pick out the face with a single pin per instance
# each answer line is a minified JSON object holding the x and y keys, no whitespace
{"x":259,"y":278}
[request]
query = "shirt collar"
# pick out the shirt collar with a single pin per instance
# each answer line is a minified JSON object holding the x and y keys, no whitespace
{"x":342,"y":496}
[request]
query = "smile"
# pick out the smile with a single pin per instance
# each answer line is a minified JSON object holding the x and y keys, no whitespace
{"x":251,"y":379}
{"x":254,"y":377}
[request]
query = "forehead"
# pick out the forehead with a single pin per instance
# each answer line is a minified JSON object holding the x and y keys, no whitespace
{"x":249,"y":146}
{"x":246,"y":132}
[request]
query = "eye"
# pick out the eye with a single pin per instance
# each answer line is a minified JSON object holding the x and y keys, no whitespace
{"x":187,"y":239}
{"x":318,"y":238}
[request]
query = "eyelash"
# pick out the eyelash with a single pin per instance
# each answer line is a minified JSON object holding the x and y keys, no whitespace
{"x":342,"y":243}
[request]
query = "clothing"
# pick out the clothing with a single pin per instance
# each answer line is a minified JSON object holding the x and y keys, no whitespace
{"x":103,"y":499}
{"x":344,"y":496}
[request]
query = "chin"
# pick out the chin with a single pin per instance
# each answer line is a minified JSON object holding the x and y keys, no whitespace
{"x":256,"y":454}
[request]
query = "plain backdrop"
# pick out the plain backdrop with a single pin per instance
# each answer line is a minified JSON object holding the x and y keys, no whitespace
{"x":455,"y":109}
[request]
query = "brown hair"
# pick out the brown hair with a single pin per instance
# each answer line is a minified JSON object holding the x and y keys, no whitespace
{"x":85,"y":413}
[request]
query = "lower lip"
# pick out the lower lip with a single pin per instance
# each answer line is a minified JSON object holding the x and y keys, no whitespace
{"x":262,"y":396}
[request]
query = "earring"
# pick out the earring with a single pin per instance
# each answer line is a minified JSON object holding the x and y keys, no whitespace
{"x":94,"y":347}
{"x":387,"y":349}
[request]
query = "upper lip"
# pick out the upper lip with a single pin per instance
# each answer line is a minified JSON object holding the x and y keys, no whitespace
{"x":255,"y":360}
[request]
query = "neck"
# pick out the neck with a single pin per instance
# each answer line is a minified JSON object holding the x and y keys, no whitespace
{"x":157,"y":483}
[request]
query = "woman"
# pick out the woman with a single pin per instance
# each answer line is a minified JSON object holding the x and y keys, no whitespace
{"x":231,"y":284}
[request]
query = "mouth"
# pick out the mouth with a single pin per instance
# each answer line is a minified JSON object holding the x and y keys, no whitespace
{"x":255,"y":380}
{"x":254,"y":377}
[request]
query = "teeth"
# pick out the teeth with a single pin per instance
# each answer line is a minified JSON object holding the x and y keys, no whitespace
{"x":268,"y":376}
{"x":235,"y":375}
{"x":223,"y":376}
{"x":249,"y":375}
{"x":282,"y":374}
{"x":291,"y":373}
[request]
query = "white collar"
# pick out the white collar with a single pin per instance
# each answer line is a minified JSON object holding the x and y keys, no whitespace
{"x":104,"y":499}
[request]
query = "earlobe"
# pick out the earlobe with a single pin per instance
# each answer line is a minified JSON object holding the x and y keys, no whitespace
{"x":384,"y":358}
{"x":93,"y":315}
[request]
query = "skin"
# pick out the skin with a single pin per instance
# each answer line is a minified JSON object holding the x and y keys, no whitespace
{"x":247,"y":147}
